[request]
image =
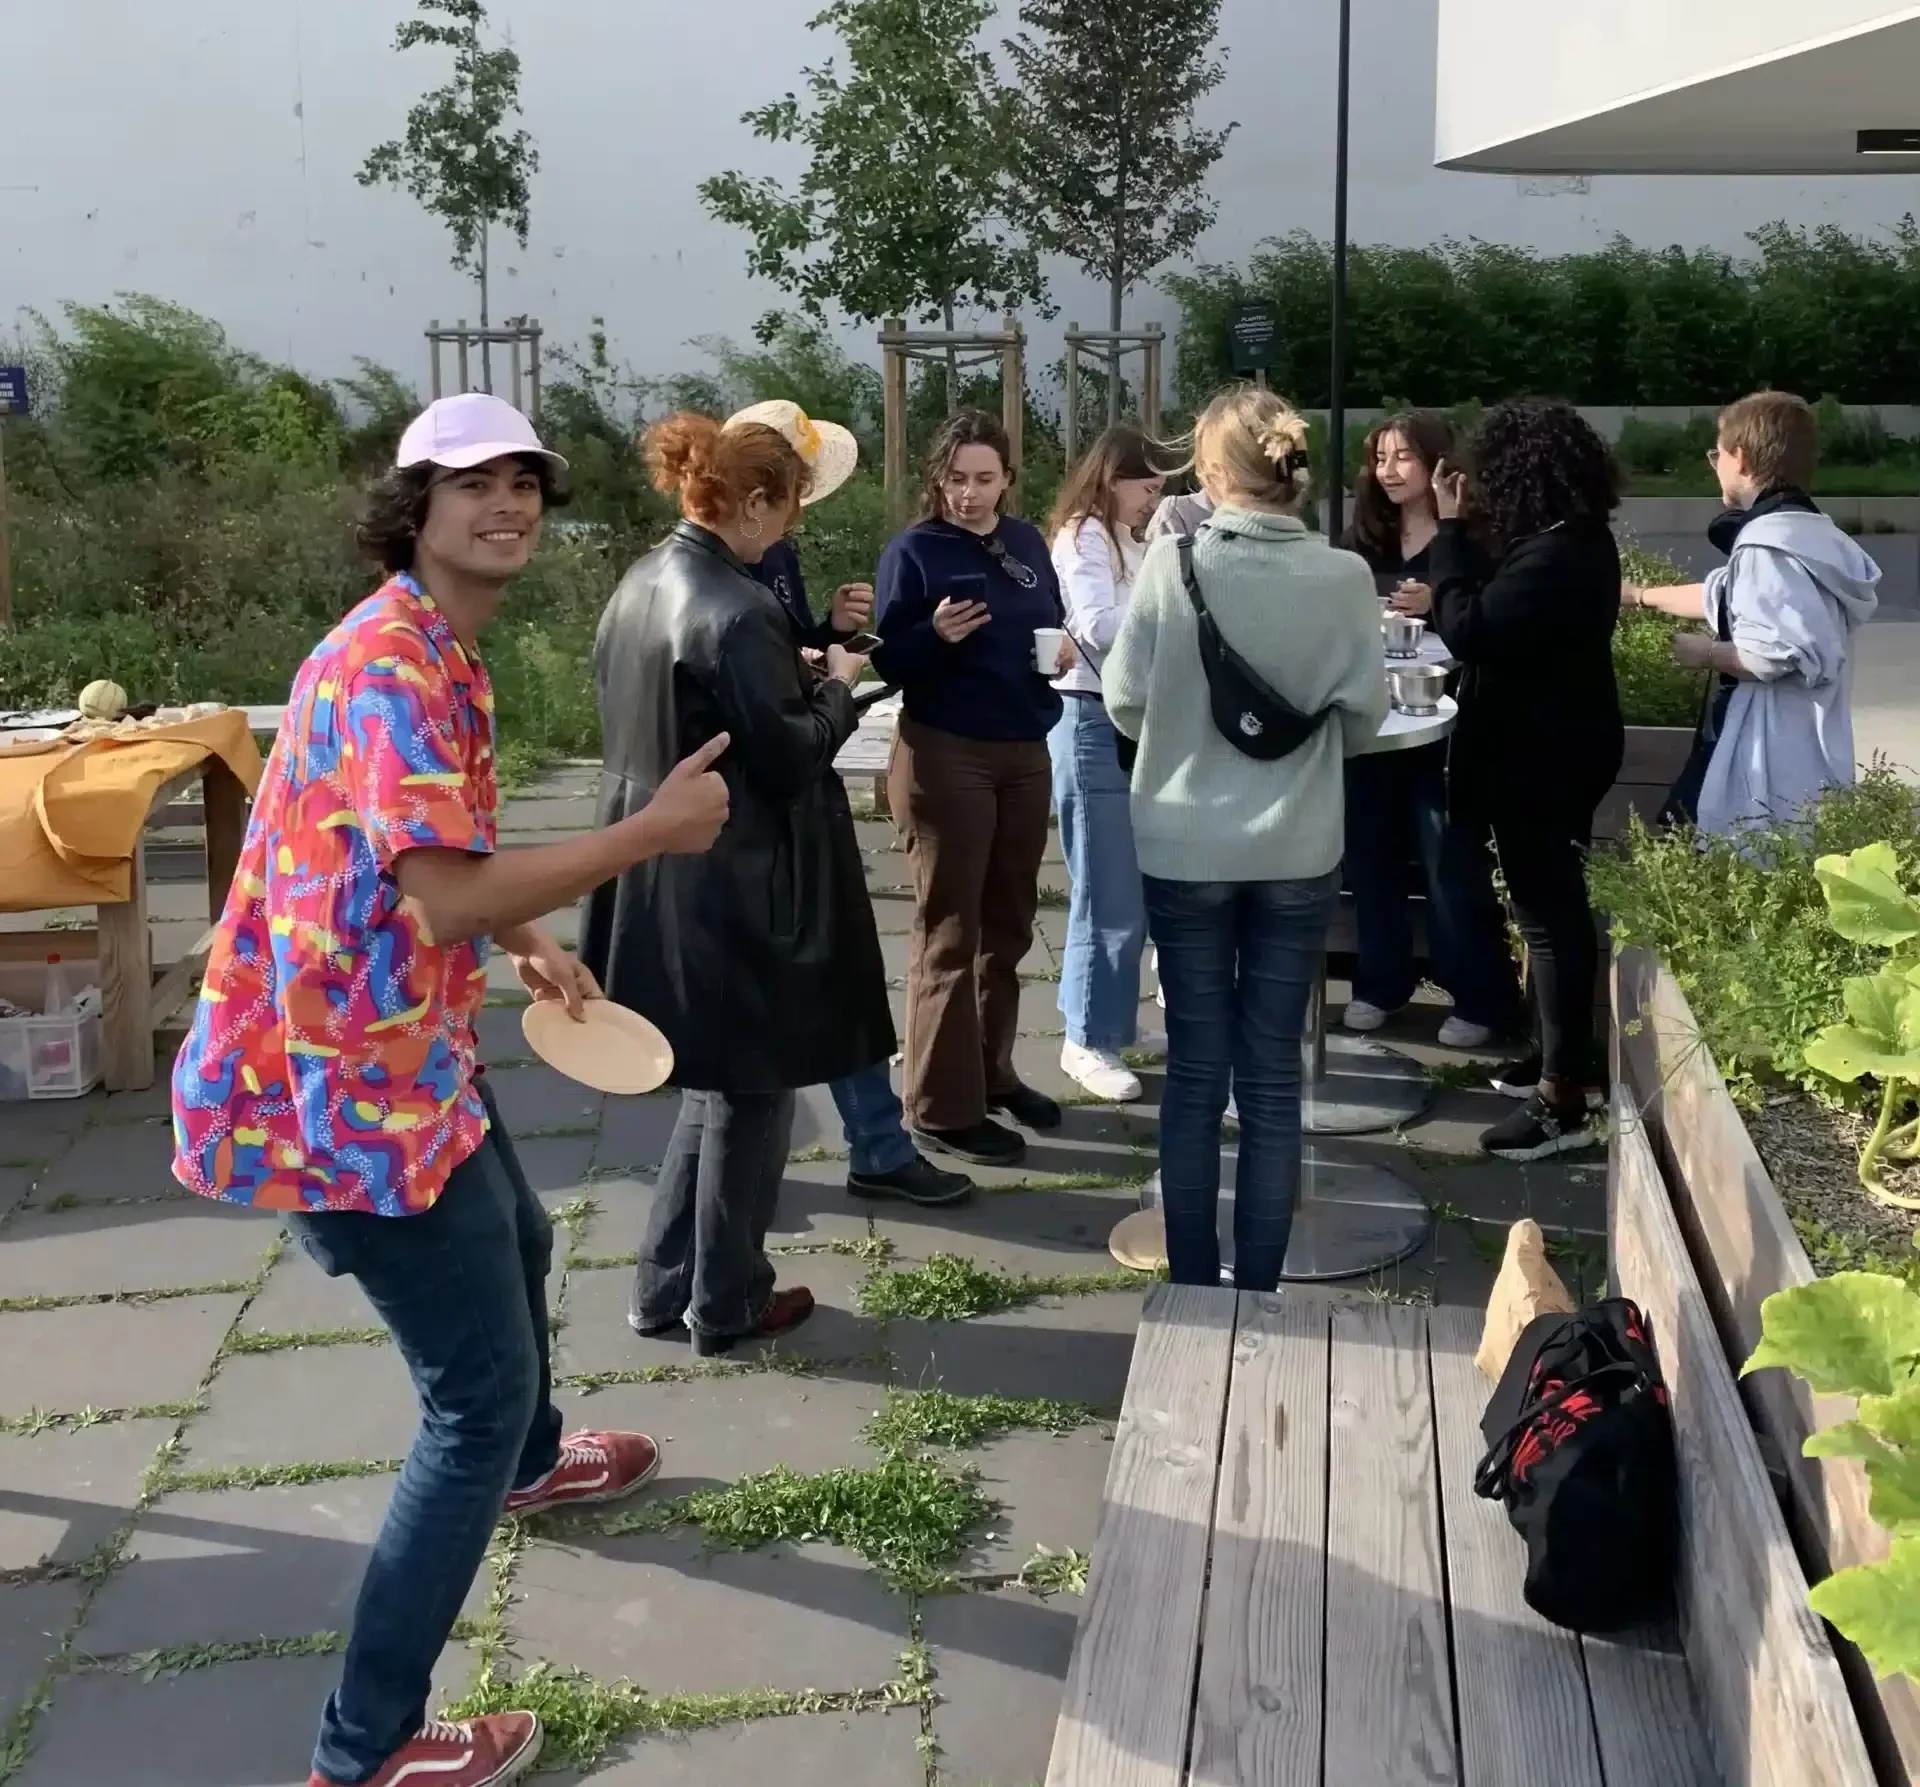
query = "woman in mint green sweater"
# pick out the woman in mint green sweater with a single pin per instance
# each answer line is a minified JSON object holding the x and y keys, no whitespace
{"x":1241,"y":858}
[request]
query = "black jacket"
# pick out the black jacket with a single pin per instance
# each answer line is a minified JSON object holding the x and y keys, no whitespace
{"x":1539,"y":733}
{"x":759,"y":960}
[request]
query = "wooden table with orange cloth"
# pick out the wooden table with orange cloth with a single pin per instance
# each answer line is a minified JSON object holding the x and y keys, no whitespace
{"x":71,"y":821}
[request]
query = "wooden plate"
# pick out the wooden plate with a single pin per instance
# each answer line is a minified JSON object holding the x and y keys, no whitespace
{"x":1139,"y":1241}
{"x":610,"y":1049}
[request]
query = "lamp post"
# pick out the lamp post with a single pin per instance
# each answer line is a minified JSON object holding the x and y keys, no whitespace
{"x":1337,"y":413}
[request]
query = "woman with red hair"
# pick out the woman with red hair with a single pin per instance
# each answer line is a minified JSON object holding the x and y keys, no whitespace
{"x":759,"y":961}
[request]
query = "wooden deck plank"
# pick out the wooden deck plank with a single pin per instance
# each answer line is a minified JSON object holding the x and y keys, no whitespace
{"x":1258,"y":1714}
{"x":1646,"y":1713}
{"x":1127,"y":1711}
{"x":1389,"y":1694}
{"x":1524,"y":1715}
{"x":1776,"y":1708}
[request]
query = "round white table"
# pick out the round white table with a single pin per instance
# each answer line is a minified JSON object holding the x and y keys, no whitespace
{"x":1353,"y":1215}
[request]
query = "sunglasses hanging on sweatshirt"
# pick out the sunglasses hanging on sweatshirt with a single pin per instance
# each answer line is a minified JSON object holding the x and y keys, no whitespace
{"x":1023,"y":574}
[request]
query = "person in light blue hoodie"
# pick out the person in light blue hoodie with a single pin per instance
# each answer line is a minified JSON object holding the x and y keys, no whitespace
{"x":1795,"y":590}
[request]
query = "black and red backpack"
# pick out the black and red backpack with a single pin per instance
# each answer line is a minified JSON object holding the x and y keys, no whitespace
{"x":1580,"y":1451}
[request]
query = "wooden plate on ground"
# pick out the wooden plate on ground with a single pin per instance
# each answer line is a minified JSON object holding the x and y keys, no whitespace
{"x":1139,"y":1241}
{"x":610,"y":1049}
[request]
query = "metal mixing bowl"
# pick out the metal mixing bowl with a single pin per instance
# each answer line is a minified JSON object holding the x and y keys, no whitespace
{"x":1400,"y":634}
{"x":1416,"y":688}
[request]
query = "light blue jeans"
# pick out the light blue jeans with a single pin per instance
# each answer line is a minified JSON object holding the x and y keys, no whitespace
{"x":1238,"y":960}
{"x":877,"y":1140}
{"x":1107,"y":914}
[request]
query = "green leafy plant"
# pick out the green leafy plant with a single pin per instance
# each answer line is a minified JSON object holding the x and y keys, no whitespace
{"x":1880,"y":1038}
{"x":1858,"y":1334}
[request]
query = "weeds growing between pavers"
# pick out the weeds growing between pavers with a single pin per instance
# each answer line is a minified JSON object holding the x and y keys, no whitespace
{"x":584,"y":1717}
{"x":951,"y":1288}
{"x":906,"y":1516}
{"x":232,"y":1287}
{"x":312,"y":1337}
{"x":1049,"y":1572}
{"x":913,"y":1419}
{"x":274,"y":1476}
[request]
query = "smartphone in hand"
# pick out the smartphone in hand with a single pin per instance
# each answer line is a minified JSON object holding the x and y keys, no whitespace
{"x":863,"y":645}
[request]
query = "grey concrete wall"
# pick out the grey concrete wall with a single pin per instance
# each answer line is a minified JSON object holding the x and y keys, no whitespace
{"x":1897,"y":555}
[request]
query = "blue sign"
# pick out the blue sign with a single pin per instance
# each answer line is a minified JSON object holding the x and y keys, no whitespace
{"x":13,"y":391}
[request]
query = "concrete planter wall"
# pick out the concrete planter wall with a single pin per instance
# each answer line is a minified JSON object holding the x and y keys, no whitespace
{"x":1744,"y":1248}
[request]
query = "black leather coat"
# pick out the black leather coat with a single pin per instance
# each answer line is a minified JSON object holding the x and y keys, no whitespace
{"x":759,"y":960}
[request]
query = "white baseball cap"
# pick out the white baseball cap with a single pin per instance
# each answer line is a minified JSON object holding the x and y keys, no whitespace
{"x":473,"y":429}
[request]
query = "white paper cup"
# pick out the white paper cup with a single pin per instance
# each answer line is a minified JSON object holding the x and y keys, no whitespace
{"x":1047,"y":645}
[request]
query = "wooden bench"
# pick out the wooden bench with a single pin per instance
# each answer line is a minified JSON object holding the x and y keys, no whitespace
{"x":1295,"y":1586}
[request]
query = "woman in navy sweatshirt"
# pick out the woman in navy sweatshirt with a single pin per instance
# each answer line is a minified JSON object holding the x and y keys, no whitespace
{"x":960,"y":596}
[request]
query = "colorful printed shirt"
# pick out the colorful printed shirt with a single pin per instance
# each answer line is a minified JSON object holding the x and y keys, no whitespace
{"x":331,"y":1061}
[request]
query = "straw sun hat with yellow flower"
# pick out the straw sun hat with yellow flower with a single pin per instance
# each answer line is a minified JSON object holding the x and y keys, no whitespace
{"x":829,"y":451}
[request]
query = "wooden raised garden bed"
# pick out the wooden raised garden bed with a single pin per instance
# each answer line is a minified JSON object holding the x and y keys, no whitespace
{"x":1744,"y":1248}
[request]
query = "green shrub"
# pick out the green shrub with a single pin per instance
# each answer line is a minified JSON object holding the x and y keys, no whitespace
{"x":1745,"y":931}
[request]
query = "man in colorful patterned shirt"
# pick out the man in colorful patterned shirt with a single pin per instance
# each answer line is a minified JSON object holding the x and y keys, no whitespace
{"x":330,"y":1073}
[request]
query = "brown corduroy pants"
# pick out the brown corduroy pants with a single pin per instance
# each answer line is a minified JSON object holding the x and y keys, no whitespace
{"x":973,"y":814}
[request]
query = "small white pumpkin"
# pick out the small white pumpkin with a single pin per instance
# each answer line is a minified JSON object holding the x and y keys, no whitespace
{"x":103,"y":700}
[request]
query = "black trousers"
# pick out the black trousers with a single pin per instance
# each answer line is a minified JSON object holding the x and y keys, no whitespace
{"x":1543,"y":859}
{"x":703,"y":1256}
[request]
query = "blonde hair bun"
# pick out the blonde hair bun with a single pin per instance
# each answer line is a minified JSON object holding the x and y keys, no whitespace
{"x":1259,"y":441}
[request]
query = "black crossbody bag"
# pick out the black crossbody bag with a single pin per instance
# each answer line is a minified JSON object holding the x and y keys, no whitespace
{"x":1249,"y":713}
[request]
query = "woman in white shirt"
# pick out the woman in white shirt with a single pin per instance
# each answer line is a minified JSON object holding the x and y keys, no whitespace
{"x":1095,"y":531}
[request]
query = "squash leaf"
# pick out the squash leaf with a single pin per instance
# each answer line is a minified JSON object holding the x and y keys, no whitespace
{"x":1854,"y":1334}
{"x":1892,"y":1474}
{"x":1865,"y":901}
{"x":1878,"y":1607}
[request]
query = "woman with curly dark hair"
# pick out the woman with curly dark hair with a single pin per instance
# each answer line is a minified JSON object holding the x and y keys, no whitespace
{"x":1526,"y":597}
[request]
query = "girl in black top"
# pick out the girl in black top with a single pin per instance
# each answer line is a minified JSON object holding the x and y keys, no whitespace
{"x":1529,"y":607}
{"x":1397,"y":800}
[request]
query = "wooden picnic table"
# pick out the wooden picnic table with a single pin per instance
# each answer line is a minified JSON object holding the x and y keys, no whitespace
{"x":1295,"y":1586}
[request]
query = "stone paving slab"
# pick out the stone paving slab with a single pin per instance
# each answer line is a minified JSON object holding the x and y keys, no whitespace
{"x":64,"y":1493}
{"x":1000,"y":1661}
{"x":557,"y":1167}
{"x":110,"y":1355}
{"x":34,"y":1133}
{"x":1047,"y":1488}
{"x":121,"y":1160}
{"x":100,"y":1248}
{"x":34,"y":1620}
{"x":239,"y":1725}
{"x":870,"y":1749}
{"x":298,"y":1298}
{"x":230,"y":1566}
{"x":309,"y":1405}
{"x":1076,"y":1349}
{"x":635,"y":1131}
{"x":663,"y":1610}
{"x":533,"y":1099}
{"x":15,"y":1184}
{"x":1042,"y":1231}
{"x":719,"y":1431}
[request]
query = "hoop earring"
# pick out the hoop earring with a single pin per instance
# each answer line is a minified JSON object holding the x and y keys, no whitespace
{"x":752,"y":531}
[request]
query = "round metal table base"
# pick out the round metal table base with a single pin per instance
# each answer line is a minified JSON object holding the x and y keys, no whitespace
{"x":1353,"y":1218}
{"x":1365,"y":1089}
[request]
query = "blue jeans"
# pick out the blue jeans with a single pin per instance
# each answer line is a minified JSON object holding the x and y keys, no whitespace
{"x":1239,"y":961}
{"x":462,"y":1288}
{"x":877,"y":1139}
{"x":1397,"y":817}
{"x":1107,"y":914}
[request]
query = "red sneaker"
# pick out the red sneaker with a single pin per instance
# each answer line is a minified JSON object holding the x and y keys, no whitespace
{"x":484,"y":1752}
{"x":593,"y":1467}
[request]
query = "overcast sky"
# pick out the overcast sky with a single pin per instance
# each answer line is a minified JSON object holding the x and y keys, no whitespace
{"x":206,"y":153}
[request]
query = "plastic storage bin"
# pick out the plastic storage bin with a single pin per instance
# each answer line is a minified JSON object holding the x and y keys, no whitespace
{"x":41,"y":1057}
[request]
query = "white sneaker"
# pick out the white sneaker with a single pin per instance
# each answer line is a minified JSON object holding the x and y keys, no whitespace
{"x":1152,"y":1044}
{"x":1362,"y":1016}
{"x":1457,"y":1033}
{"x":1101,"y":1072}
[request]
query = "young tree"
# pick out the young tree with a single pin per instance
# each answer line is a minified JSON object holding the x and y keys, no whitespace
{"x":459,"y":158}
{"x":1109,"y":166}
{"x":896,"y":214}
